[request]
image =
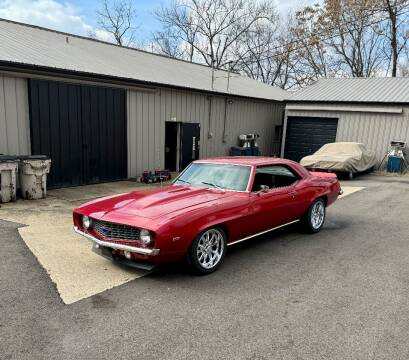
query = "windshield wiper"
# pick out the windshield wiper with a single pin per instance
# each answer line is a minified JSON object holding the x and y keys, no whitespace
{"x":184,"y":181}
{"x":214,"y":185}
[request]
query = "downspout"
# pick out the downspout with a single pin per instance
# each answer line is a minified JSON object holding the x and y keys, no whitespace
{"x":209,"y":132}
{"x":226,"y":102}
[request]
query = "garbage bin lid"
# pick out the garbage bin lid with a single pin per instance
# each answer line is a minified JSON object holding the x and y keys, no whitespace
{"x":33,"y":157}
{"x":8,"y":158}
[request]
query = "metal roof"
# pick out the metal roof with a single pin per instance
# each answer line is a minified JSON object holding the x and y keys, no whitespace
{"x":365,"y":90}
{"x":28,"y":45}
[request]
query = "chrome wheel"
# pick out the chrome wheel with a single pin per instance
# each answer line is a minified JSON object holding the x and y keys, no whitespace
{"x":317,"y":214}
{"x":210,"y":248}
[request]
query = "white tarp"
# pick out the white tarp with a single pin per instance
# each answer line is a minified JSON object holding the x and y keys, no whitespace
{"x":342,"y":157}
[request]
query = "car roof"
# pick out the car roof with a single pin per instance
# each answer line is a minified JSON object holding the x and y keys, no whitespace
{"x":244,"y":160}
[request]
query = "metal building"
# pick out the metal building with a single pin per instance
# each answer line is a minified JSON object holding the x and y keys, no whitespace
{"x":373,"y":111}
{"x":104,"y":112}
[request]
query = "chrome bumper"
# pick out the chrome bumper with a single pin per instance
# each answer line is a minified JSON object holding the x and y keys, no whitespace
{"x":135,"y":249}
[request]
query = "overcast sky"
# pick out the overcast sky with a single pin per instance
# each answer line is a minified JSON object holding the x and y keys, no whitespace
{"x":78,"y":16}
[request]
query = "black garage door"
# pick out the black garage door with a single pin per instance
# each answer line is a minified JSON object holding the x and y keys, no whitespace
{"x":305,"y":135}
{"x":82,"y":129}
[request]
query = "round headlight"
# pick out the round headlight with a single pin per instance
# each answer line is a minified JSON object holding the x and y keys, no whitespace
{"x":86,"y":222}
{"x":145,"y":236}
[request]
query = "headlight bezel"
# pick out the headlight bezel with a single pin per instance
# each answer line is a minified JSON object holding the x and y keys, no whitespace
{"x":146,"y":237}
{"x":86,"y":222}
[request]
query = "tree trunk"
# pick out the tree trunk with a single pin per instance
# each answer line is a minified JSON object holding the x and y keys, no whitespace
{"x":394,"y":45}
{"x":393,"y":13}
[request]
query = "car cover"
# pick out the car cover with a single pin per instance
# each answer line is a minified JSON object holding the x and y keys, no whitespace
{"x":342,"y":157}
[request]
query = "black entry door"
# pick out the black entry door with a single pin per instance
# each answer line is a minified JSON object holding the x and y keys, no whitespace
{"x":82,"y":129}
{"x":189,"y":143}
{"x":305,"y":135}
{"x":171,"y":145}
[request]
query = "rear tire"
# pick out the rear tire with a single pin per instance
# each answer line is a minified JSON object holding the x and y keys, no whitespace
{"x":314,"y":218}
{"x":207,"y":251}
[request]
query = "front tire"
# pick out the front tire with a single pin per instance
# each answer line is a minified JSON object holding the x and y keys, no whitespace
{"x":207,"y":251}
{"x":315,"y":217}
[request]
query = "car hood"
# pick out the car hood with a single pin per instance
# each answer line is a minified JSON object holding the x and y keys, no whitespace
{"x":152,"y":203}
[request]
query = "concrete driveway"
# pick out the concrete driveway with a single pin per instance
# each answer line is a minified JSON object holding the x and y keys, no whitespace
{"x":47,"y":231}
{"x":46,"y":228}
{"x":339,"y":294}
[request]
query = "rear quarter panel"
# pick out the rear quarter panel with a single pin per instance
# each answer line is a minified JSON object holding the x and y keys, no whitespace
{"x":327,"y":185}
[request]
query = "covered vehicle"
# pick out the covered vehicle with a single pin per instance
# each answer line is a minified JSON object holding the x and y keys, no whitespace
{"x":341,"y":157}
{"x":212,"y":204}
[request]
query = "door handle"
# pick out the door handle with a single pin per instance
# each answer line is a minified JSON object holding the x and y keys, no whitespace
{"x":193,"y":148}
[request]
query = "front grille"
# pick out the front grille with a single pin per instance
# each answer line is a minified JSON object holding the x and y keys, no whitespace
{"x":114,"y":231}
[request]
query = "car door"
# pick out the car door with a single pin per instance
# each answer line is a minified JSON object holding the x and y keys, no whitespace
{"x":300,"y":193}
{"x":279,"y":204}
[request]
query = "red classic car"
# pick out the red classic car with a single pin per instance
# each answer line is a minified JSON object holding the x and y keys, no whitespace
{"x":211,"y":205}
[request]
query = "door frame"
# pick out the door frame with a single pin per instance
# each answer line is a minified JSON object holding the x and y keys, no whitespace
{"x":177,"y":124}
{"x":179,"y":139}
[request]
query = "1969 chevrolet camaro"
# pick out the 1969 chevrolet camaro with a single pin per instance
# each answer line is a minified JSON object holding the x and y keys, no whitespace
{"x":212,"y":204}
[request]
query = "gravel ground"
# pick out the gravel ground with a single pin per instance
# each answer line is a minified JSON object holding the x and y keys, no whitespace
{"x":340,"y":294}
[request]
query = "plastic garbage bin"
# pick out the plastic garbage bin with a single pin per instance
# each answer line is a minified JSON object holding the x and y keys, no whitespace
{"x":8,"y":177}
{"x":236,"y":151}
{"x":33,"y":172}
{"x":395,"y":164}
{"x":255,"y":151}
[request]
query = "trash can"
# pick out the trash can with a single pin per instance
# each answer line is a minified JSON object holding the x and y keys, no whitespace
{"x":236,"y":151}
{"x":255,"y":151}
{"x":33,"y":172}
{"x":8,"y":178}
{"x":395,"y":164}
{"x":240,"y":151}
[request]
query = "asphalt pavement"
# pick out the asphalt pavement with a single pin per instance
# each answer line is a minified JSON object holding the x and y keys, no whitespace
{"x":340,"y":294}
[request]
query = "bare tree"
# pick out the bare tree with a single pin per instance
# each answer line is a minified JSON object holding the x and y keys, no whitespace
{"x":169,"y":43}
{"x":211,"y":28}
{"x":351,"y":28}
{"x":396,"y":32}
{"x":118,"y":19}
{"x":265,"y":53}
{"x":356,"y":38}
{"x":315,"y":59}
{"x":179,"y":33}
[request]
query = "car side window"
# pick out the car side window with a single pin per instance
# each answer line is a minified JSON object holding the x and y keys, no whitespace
{"x":274,"y":176}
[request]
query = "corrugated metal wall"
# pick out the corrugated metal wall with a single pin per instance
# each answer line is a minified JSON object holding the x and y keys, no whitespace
{"x":14,"y":118}
{"x":148,"y":112}
{"x":375,"y":130}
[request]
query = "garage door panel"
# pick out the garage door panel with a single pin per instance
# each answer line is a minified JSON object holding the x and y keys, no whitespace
{"x":305,"y":135}
{"x":55,"y":129}
{"x":44,"y":119}
{"x":81,"y":128}
{"x":63,"y":178}
{"x":75,"y":135}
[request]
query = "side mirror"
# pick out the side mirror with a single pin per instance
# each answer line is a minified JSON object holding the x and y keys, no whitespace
{"x":263,"y":189}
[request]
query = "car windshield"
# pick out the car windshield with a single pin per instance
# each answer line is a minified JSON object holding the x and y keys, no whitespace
{"x":219,"y":176}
